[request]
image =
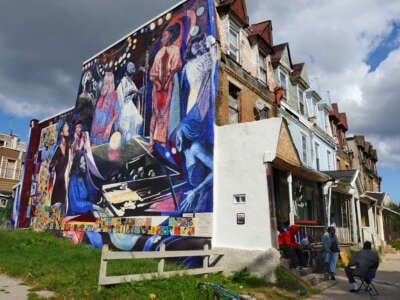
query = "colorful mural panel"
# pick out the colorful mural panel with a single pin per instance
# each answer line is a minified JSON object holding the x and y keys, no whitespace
{"x":135,"y":155}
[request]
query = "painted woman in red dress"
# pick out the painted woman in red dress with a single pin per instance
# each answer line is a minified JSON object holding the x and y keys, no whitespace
{"x":166,"y":63}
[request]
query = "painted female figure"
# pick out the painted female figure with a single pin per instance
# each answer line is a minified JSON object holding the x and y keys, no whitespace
{"x":166,"y":63}
{"x":106,"y":113}
{"x":59,"y":164}
{"x":82,"y":192}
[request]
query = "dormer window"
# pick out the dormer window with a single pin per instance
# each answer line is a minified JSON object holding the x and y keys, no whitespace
{"x":282,"y":79}
{"x":262,"y":68}
{"x":317,"y":158}
{"x":234,"y":41}
{"x":304,"y":147}
{"x":301,"y":101}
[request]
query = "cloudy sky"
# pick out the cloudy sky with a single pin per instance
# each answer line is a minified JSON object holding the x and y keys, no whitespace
{"x":351,"y":47}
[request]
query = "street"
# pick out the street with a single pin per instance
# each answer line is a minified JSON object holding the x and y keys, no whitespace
{"x":387,"y":282}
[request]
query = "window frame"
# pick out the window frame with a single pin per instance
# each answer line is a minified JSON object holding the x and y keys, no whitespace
{"x":233,"y":104}
{"x":9,"y":173}
{"x":282,"y":75}
{"x":302,"y":105}
{"x":262,"y":67}
{"x":304,"y":147}
{"x":317,"y":156}
{"x":329,"y":158}
{"x":234,"y":50}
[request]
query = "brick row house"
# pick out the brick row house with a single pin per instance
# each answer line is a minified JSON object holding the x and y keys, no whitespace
{"x":335,"y":184}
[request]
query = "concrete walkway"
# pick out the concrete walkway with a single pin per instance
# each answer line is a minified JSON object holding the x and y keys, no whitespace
{"x":387,"y":282}
{"x":12,"y":288}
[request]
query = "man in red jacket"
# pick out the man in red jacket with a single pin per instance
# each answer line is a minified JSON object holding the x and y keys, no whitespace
{"x":291,"y":249}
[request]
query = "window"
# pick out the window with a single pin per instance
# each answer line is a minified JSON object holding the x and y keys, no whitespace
{"x":10,"y":169}
{"x":317,"y":156}
{"x":301,"y":101}
{"x":338,"y":164}
{"x":304,"y":146}
{"x":326,"y":122}
{"x":234,"y":42}
{"x":233,"y":103}
{"x":329,"y":157}
{"x":239,"y":198}
{"x":260,"y":111}
{"x":334,"y":133}
{"x":282,"y":79}
{"x":310,"y":104}
{"x":262,"y":68}
{"x":264,"y":113}
{"x":2,"y":143}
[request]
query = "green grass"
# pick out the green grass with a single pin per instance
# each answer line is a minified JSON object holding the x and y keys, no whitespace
{"x":71,"y":271}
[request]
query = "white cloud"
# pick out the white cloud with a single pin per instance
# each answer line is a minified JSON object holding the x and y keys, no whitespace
{"x":22,"y":108}
{"x":334,"y":38}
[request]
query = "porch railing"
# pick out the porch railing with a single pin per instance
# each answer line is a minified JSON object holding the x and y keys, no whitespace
{"x":344,"y":235}
{"x":315,"y":232}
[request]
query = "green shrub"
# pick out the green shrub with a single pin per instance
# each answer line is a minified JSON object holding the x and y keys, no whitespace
{"x":395,"y":244}
{"x":245,"y":278}
{"x":286,"y":280}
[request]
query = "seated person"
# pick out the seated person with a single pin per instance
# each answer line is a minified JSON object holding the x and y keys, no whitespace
{"x":362,"y":263}
{"x":290,"y":248}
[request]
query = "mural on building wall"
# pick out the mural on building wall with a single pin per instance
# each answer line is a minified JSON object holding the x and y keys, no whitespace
{"x":135,"y":155}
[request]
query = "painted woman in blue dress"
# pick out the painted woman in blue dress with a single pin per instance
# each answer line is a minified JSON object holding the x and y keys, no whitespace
{"x":82,"y":192}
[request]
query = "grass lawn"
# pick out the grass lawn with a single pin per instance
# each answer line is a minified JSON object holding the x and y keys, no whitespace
{"x":71,"y":271}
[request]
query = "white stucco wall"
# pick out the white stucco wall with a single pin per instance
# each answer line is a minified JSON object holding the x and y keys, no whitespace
{"x":239,"y":168}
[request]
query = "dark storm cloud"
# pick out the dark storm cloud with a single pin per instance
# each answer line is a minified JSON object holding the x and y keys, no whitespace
{"x":43,"y":44}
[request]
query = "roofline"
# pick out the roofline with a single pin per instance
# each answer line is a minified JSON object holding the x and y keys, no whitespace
{"x":135,"y":30}
{"x":391,"y":210}
{"x":58,"y":114}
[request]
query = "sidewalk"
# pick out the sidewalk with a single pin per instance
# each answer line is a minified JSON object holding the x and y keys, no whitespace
{"x":387,"y":282}
{"x":12,"y":288}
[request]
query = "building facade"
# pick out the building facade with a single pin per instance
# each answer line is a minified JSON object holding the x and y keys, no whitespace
{"x":12,"y":156}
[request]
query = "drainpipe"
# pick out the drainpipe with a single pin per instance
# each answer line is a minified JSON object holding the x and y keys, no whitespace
{"x":291,"y":205}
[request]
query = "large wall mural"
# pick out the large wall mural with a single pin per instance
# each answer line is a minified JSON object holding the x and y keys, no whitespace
{"x":133,"y":161}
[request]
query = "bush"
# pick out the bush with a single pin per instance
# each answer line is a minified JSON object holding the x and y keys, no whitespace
{"x":245,"y":278}
{"x":395,"y":244}
{"x":286,"y":280}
